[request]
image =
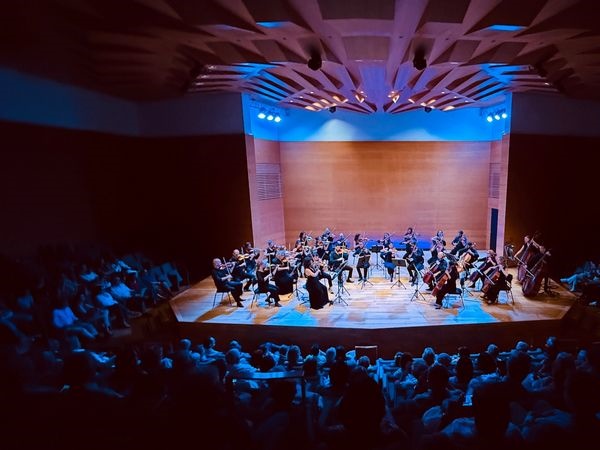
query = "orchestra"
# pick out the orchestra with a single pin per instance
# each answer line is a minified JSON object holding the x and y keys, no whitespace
{"x":274,"y":270}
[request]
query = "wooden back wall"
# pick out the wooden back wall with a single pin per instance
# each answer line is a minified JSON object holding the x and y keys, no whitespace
{"x":375,"y":187}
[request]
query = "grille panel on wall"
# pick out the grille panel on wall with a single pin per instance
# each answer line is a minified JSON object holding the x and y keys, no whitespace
{"x":268,"y":181}
{"x":494,"y":182}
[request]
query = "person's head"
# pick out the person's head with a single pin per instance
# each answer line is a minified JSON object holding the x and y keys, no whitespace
{"x":236,"y":253}
{"x":406,"y":360}
{"x":428,"y":355}
{"x":493,"y":350}
{"x":522,"y":346}
{"x":409,"y":230}
{"x":233,"y":356}
{"x":486,"y":363}
{"x":216,"y":263}
{"x":518,"y":366}
{"x":491,"y":410}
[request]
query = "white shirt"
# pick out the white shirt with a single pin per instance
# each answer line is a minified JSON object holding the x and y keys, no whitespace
{"x":63,"y":317}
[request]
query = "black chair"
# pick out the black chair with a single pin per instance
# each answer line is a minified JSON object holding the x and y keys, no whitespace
{"x":256,"y":296}
{"x":450,"y":296}
{"x":508,"y":290}
{"x":222,"y":292}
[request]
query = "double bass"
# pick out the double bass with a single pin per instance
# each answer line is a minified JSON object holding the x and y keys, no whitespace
{"x":528,"y":253}
{"x":534,"y":277}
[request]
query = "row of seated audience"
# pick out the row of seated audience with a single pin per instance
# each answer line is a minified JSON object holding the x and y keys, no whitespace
{"x":60,"y":395}
{"x":586,"y":280}
{"x":87,"y":297}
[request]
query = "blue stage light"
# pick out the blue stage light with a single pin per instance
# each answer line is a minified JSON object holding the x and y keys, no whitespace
{"x":261,"y":115}
{"x":277,"y":119}
{"x":270,"y":117}
{"x":497,"y":116}
{"x":504,"y":115}
{"x":489,"y":119}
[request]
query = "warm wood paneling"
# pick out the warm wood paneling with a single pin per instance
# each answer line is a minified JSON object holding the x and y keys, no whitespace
{"x":376,"y":187}
{"x":267,"y":215}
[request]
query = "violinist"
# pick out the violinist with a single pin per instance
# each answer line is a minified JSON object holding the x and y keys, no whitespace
{"x":284,"y":275}
{"x":415,"y":259}
{"x":323,"y":273}
{"x":224,"y":281}
{"x":317,"y":293}
{"x":320,"y":248}
{"x":358,"y":238}
{"x":386,"y":241}
{"x":500,"y":282}
{"x":449,"y":286}
{"x":387,"y":255}
{"x":487,"y":262}
{"x":409,"y":238}
{"x":338,"y":263}
{"x":252,"y":256}
{"x":364,"y":257}
{"x":271,"y":250}
{"x":263,"y":276}
{"x":240,"y":271}
{"x":437,"y":246}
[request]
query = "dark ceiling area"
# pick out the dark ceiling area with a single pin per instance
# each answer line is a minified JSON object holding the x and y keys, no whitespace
{"x":363,"y":56}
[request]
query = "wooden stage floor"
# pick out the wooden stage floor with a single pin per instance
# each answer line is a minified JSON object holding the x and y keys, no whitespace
{"x":377,"y":313}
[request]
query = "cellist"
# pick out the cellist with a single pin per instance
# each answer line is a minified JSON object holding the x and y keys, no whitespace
{"x":449,"y":285}
{"x":501,"y":281}
{"x":488,"y":262}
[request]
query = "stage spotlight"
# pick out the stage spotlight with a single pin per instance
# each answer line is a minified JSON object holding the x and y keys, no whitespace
{"x":261,"y":114}
{"x":277,"y":118}
{"x":270,"y":117}
{"x":332,"y":109}
{"x":504,"y":115}
{"x":489,"y":119}
{"x":428,"y":109}
{"x":419,"y":61}
{"x":497,"y":116}
{"x":315,"y":62}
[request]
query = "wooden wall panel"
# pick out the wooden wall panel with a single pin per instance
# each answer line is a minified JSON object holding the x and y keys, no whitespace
{"x":375,"y":187}
{"x":267,"y":215}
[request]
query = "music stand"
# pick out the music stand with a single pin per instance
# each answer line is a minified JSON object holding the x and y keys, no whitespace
{"x":376,"y":249}
{"x":339,"y":296}
{"x":401,"y":262}
{"x":418,"y":284}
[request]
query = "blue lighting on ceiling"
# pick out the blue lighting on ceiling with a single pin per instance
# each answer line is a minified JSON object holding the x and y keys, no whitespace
{"x":499,"y":27}
{"x":271,"y":24}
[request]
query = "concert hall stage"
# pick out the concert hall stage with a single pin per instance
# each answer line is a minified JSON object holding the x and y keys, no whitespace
{"x":386,"y":315}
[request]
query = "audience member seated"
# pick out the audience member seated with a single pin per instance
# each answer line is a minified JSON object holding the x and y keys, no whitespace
{"x":65,"y":320}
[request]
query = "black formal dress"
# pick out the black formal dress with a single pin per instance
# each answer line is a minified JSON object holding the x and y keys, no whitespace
{"x":317,"y":292}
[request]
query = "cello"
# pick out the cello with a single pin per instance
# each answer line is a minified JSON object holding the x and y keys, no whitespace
{"x":533,"y":278}
{"x":440,"y":284}
{"x":491,"y":278}
{"x":428,"y":277}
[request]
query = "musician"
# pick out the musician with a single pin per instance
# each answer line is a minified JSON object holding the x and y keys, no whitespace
{"x":415,"y":262}
{"x":323,"y":273}
{"x":442,"y":266}
{"x":488,"y":262}
{"x":263,"y":276}
{"x":386,"y":241}
{"x":271,"y":250}
{"x":387,"y":255}
{"x":364,"y":260}
{"x":224,"y":281}
{"x":449,"y":286}
{"x":320,"y":248}
{"x":467,"y":257}
{"x":285,"y":275}
{"x":252,"y":258}
{"x":338,"y":263}
{"x":240,"y":271}
{"x":409,"y":238}
{"x":437,"y":246}
{"x":317,"y":293}
{"x":501,"y":283}
{"x":540,"y":262}
{"x":459,"y":242}
{"x":528,"y":244}
{"x":358,"y":238}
